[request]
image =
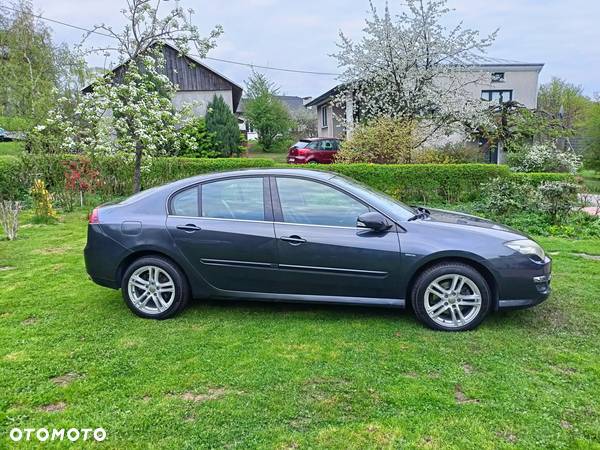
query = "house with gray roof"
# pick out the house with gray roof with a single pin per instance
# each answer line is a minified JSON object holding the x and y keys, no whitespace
{"x":493,"y":82}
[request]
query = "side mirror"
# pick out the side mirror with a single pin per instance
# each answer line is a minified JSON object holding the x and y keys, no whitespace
{"x":373,"y":220}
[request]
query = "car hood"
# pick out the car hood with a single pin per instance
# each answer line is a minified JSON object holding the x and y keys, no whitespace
{"x":457,"y":218}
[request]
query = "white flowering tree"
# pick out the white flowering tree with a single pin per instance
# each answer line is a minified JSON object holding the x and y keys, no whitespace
{"x":412,"y":68}
{"x":130,"y":112}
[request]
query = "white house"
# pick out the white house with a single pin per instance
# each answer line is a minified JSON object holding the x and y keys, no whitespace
{"x":489,"y":82}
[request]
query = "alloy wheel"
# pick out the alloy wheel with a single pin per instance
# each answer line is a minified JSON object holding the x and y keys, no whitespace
{"x":452,"y":300}
{"x":151,"y":289}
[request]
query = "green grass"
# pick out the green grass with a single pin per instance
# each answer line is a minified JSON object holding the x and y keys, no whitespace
{"x":279,"y":155}
{"x":14,"y":148}
{"x":591,"y":179}
{"x":261,"y":375}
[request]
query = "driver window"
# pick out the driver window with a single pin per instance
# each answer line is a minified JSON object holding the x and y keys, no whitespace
{"x":238,"y":198}
{"x":312,"y":203}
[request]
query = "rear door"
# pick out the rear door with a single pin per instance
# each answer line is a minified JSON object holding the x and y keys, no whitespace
{"x":327,"y":150}
{"x":322,"y":252}
{"x":225,"y":230}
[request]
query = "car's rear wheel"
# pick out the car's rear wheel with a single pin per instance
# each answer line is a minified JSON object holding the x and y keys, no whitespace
{"x":155,"y":288}
{"x":451,"y":297}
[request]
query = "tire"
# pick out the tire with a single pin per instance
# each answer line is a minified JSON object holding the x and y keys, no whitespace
{"x":451,"y":297}
{"x":155,"y":276}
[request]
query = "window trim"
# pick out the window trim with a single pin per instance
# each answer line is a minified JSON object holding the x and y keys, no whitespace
{"x":324,"y":117}
{"x":267,"y":202}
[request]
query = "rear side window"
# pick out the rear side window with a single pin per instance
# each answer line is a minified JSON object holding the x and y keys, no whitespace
{"x":238,"y":198}
{"x":185,"y":203}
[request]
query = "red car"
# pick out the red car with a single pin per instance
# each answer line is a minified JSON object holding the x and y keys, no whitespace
{"x":316,"y":150}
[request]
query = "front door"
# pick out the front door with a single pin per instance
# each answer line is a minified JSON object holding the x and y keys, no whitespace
{"x":225,"y":230}
{"x":322,"y":252}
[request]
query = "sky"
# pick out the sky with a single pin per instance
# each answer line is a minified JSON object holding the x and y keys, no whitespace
{"x":564,"y":35}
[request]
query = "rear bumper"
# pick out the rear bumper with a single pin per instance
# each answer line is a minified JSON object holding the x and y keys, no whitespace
{"x":102,"y":256}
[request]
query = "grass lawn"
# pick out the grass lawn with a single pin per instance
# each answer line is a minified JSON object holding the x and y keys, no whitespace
{"x":11,"y":148}
{"x":261,"y":375}
{"x":591,"y":179}
{"x":279,"y":156}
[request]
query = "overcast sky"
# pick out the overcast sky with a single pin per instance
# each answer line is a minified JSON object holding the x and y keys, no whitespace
{"x":564,"y":35}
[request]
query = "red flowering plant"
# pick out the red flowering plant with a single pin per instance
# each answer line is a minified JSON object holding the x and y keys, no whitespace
{"x":80,"y":178}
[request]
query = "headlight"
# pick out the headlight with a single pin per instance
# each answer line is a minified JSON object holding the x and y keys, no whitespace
{"x":527,"y":247}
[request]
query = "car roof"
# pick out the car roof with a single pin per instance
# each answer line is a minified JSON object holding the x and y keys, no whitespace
{"x":312,"y":139}
{"x":309,"y":173}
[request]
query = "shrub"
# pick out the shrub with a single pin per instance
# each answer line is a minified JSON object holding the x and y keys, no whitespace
{"x":197,"y":141}
{"x":416,"y":183}
{"x":12,"y":179}
{"x":380,"y":141}
{"x":223,"y":123}
{"x":42,"y":203}
{"x":424,"y":183}
{"x":544,"y":158}
{"x":15,"y":123}
{"x":557,"y":199}
{"x":449,"y":154}
{"x":504,"y":196}
{"x":9,"y":218}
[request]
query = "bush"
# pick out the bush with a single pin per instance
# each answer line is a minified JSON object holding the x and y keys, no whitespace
{"x":424,"y":183}
{"x":15,"y":123}
{"x":380,"y":141}
{"x":506,"y":197}
{"x":544,"y":158}
{"x":197,"y":141}
{"x":449,"y":154}
{"x":416,"y":183}
{"x":115,"y":174}
{"x":43,"y":211}
{"x":557,"y":199}
{"x":12,"y":179}
{"x":223,"y":123}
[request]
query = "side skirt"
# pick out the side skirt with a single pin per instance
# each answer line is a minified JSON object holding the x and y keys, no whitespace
{"x":301,"y":298}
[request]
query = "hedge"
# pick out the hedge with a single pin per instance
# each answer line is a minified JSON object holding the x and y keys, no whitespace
{"x":424,"y":183}
{"x":419,"y":183}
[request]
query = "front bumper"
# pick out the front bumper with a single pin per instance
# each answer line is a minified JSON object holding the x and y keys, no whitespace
{"x":535,"y":290}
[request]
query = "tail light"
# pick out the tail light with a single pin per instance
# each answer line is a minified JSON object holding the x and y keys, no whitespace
{"x":94,"y":216}
{"x":293,"y":151}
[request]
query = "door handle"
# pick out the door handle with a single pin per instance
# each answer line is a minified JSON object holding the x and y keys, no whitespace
{"x":293,"y":239}
{"x":189,"y":228}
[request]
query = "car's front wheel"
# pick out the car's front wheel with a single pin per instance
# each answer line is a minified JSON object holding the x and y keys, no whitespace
{"x":451,"y":297}
{"x":154,"y":287}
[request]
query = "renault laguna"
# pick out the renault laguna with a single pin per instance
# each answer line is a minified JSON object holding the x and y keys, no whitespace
{"x":294,"y":235}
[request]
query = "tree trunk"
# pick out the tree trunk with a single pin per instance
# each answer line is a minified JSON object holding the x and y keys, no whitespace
{"x":137,"y":170}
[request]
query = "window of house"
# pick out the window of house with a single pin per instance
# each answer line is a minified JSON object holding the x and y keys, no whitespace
{"x":324,"y":117}
{"x":497,"y":77}
{"x":498,"y":96}
{"x":311,"y":203}
{"x":237,"y":198}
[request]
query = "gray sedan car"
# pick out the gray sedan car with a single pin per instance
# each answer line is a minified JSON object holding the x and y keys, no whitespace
{"x":295,"y":235}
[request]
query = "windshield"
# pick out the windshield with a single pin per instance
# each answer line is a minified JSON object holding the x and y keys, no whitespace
{"x":403,"y":211}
